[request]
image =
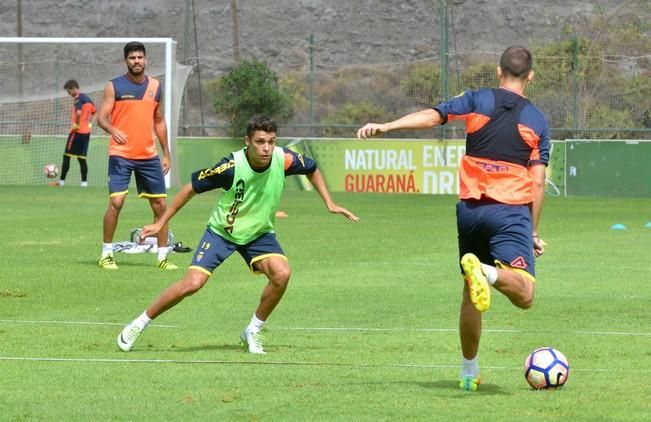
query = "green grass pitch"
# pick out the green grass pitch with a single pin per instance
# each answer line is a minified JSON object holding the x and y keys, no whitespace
{"x":366,"y":331}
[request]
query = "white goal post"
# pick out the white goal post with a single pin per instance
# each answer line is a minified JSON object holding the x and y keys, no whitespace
{"x":33,"y":70}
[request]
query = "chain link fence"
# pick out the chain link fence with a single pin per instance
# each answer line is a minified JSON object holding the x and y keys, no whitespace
{"x":582,"y":97}
{"x":594,"y":82}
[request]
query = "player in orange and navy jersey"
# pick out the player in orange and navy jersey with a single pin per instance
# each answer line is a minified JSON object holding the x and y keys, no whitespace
{"x":502,"y":179}
{"x":83,"y":111}
{"x":131,"y":113}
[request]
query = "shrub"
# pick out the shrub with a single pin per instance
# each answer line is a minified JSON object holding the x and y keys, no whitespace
{"x":249,"y":88}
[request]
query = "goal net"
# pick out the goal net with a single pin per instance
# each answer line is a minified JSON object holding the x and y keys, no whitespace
{"x":35,"y":110}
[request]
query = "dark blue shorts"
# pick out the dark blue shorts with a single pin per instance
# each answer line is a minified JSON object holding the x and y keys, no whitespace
{"x":150,"y":180}
{"x":497,"y":233}
{"x":77,"y":145}
{"x":214,"y":249}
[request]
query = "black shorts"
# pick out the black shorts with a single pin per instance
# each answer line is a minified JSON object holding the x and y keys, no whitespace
{"x":77,"y":145}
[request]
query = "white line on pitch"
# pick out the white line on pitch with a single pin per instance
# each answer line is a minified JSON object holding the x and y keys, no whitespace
{"x":226,"y":362}
{"x":343,"y":329}
{"x":298,"y":363}
{"x":118,"y":324}
{"x":376,"y":263}
{"x":454,"y":330}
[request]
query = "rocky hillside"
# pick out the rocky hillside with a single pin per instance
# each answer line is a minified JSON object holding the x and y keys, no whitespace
{"x":345,"y":32}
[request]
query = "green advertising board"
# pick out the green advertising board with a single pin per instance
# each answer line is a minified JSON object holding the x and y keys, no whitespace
{"x":608,"y":168}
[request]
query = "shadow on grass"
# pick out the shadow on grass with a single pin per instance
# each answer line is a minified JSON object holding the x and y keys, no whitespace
{"x":484,"y":389}
{"x":206,"y":348}
{"x":124,"y":263}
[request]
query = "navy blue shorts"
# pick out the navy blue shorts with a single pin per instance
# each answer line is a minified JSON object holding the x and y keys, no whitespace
{"x":214,"y":249}
{"x":497,"y":233}
{"x":150,"y":180}
{"x":77,"y":145}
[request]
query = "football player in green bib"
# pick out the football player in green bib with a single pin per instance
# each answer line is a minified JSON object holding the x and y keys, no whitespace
{"x":252,"y":180}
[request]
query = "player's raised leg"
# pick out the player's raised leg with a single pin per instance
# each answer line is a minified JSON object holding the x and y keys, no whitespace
{"x":478,"y":287}
{"x":512,"y":251}
{"x":518,"y":285}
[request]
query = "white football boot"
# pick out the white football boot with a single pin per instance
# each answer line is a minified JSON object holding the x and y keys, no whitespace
{"x":128,"y":337}
{"x":254,"y":341}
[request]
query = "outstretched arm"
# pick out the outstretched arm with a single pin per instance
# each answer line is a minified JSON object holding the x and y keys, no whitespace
{"x":185,"y":194}
{"x":424,"y":119}
{"x":319,"y":184}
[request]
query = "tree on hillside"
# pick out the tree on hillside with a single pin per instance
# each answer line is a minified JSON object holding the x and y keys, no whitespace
{"x":249,"y":88}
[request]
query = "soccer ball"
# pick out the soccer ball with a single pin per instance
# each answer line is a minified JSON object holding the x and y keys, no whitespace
{"x":51,"y":171}
{"x":546,"y":367}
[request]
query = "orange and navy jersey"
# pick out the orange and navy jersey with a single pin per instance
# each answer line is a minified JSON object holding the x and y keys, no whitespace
{"x":505,"y":134}
{"x":133,"y":113}
{"x":84,"y":107}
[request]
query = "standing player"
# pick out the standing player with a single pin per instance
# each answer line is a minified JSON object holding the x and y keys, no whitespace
{"x":253,"y":180}
{"x":502,"y":179}
{"x":83,"y":111}
{"x":131,"y":113}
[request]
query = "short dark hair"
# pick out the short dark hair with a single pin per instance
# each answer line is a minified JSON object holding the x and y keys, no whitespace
{"x":261,"y":122}
{"x":134,"y":46}
{"x":516,"y":61}
{"x":70,"y":84}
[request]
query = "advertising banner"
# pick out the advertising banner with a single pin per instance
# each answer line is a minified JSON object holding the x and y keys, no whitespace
{"x":395,"y":166}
